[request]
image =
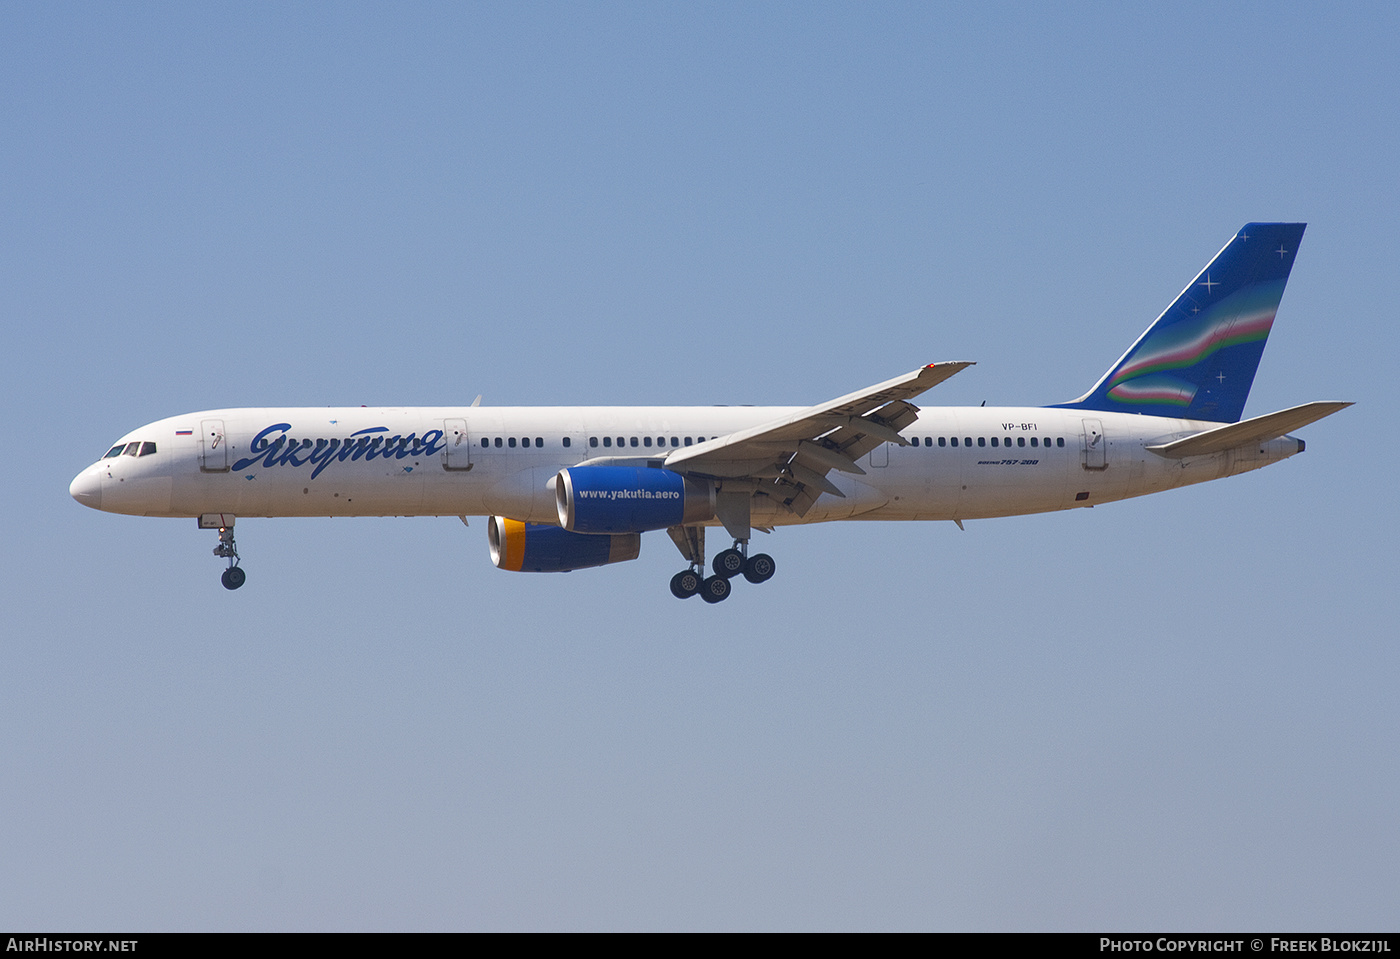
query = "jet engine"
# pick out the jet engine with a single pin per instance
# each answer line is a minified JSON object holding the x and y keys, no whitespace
{"x":535,"y":548}
{"x":623,"y":499}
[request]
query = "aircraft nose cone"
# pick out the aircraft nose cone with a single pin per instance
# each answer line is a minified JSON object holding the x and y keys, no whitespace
{"x":86,"y":488}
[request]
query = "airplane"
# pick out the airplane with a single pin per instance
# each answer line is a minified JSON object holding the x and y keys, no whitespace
{"x":569,"y":488}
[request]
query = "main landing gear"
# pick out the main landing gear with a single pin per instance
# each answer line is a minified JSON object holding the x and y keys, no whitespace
{"x":728,"y":564}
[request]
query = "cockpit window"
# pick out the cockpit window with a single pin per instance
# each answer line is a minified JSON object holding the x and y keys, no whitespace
{"x":115,"y":451}
{"x":132,"y":449}
{"x":148,"y":448}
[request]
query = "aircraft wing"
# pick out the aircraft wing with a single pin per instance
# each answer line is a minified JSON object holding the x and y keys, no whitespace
{"x":788,"y":458}
{"x":1257,"y":429}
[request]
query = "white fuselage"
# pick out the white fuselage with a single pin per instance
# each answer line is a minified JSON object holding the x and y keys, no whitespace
{"x":454,"y":461}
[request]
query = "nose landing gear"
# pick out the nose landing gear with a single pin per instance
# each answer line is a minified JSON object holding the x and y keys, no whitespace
{"x":234,"y":576}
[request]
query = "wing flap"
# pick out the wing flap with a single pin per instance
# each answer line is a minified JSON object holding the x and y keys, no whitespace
{"x":852,"y":424}
{"x":791,"y":456}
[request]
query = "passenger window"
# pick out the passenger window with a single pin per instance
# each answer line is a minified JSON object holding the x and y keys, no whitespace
{"x":928,"y":440}
{"x":1034,"y":441}
{"x":1060,"y":441}
{"x":485,"y":442}
{"x":955,"y":441}
{"x":539,"y":442}
{"x":593,"y":442}
{"x":634,"y":442}
{"x":646,"y":441}
{"x":675,"y":441}
{"x":687,"y":441}
{"x":981,"y":441}
{"x":567,"y":444}
{"x":1020,"y":441}
{"x":498,"y":442}
{"x":607,"y":441}
{"x":511,"y":442}
{"x":942,"y":441}
{"x":994,"y":441}
{"x":967,"y":440}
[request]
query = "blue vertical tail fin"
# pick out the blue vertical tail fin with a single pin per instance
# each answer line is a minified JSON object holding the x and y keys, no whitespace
{"x":1198,"y":360}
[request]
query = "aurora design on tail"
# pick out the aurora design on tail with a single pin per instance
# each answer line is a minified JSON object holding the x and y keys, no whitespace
{"x":1198,"y":359}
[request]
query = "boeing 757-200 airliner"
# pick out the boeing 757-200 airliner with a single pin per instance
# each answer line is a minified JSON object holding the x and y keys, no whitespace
{"x":572,"y":487}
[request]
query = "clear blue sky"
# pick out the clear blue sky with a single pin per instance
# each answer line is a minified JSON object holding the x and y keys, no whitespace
{"x":1171,"y":713}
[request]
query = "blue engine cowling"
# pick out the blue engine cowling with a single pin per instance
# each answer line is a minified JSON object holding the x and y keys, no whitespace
{"x":533,"y":548}
{"x":625,"y":499}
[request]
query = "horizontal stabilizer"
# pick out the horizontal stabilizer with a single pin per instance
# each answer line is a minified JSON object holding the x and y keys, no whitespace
{"x":1259,"y":429}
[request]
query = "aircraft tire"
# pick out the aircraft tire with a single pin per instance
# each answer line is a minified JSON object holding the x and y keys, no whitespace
{"x":759,"y":568}
{"x":685,"y":584}
{"x":715,"y":589}
{"x":233,"y":577}
{"x":728,"y":563}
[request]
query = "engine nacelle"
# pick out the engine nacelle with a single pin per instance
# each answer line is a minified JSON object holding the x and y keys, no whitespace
{"x":533,"y":548}
{"x":625,"y":499}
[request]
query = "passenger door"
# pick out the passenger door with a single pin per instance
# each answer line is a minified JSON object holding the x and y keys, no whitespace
{"x":1094,"y":445}
{"x":457,"y":454}
{"x":213,"y":447}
